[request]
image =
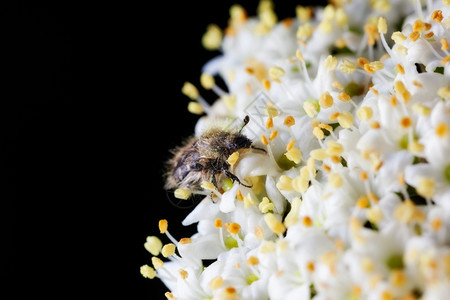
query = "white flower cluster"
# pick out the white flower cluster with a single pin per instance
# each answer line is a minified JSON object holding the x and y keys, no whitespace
{"x":352,"y":199}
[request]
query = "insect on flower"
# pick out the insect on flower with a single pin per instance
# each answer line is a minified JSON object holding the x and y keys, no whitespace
{"x":204,"y":158}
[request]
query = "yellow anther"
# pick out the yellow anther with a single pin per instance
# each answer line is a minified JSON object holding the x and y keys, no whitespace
{"x":415,"y":147}
{"x":325,"y":100}
{"x":237,"y":13}
{"x":216,"y":282}
{"x":292,"y":216}
{"x":310,"y":266}
{"x":207,"y":185}
{"x":375,"y":125}
{"x":289,"y":121}
{"x":318,"y":133}
{"x":168,"y":250}
{"x":345,"y":119}
{"x":266,"y":84}
{"x":374,"y":90}
{"x":337,"y":84}
{"x":307,"y":221}
{"x":361,"y":61}
{"x":428,"y":35}
{"x":183,"y":273}
{"x":229,"y":293}
{"x":190,"y":90}
{"x":294,"y":154}
{"x":153,"y":245}
{"x":417,"y":83}
{"x":398,"y":37}
{"x":233,"y":158}
{"x":325,"y":126}
{"x":444,"y":44}
{"x":444,"y":92}
{"x":157,"y":263}
{"x":239,"y":196}
{"x":271,"y":110}
{"x":265,"y":205}
{"x":334,"y":148}
{"x":299,"y":55}
{"x":397,"y":278}
{"x":436,"y":16}
{"x":303,"y":13}
{"x":393,"y":100}
{"x":341,"y":17}
{"x":334,"y":116}
{"x":207,"y":81}
{"x":285,"y":183}
{"x":372,"y":34}
{"x":181,"y":193}
{"x":319,"y":154}
{"x":344,"y":97}
{"x":373,"y":66}
{"x":184,"y":241}
{"x":436,"y":224}
{"x":276,"y":72}
{"x":273,"y":135}
{"x":230,"y":101}
{"x":445,"y":60}
{"x":419,"y":26}
{"x":274,"y":224}
{"x":212,"y":38}
{"x":367,"y":265}
{"x":363,"y":202}
{"x":335,"y":180}
{"x":264,"y":140}
{"x":259,"y":232}
{"x":311,"y":107}
{"x":290,"y":145}
{"x":442,"y":130}
{"x":218,"y":223}
{"x":233,"y":228}
{"x":364,"y":113}
{"x":330,"y":63}
{"x":405,"y":122}
{"x":325,"y":27}
{"x":401,"y":50}
{"x":163,"y":225}
{"x":382,"y":25}
{"x":413,"y":36}
{"x":402,"y":91}
{"x":374,"y":214}
{"x":195,"y":108}
{"x":148,"y":272}
{"x":305,"y":31}
{"x":169,"y":296}
{"x":400,"y":69}
{"x":407,"y":212}
{"x":252,"y":261}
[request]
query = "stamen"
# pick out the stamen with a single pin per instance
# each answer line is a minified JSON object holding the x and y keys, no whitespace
{"x":153,"y":245}
{"x":148,"y":272}
{"x":168,"y":250}
{"x":274,"y":224}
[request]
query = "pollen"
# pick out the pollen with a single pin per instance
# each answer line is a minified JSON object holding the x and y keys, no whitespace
{"x":266,"y":84}
{"x":157,"y":263}
{"x":307,"y":221}
{"x":400,"y":69}
{"x":148,"y":272}
{"x":426,"y":187}
{"x":212,"y":38}
{"x":163,"y":225}
{"x":206,"y":185}
{"x":436,"y":16}
{"x":153,"y":245}
{"x":325,"y":100}
{"x":445,"y":60}
{"x":168,"y":250}
{"x":382,"y":25}
{"x":294,"y":154}
{"x":364,"y":113}
{"x":344,"y":97}
{"x":414,"y":36}
{"x":195,"y":108}
{"x":233,"y":158}
{"x":185,"y":241}
{"x":419,"y":26}
{"x":183,"y":273}
{"x":442,"y":130}
{"x":218,"y":223}
{"x":252,"y":261}
{"x":345,"y":119}
{"x":310,"y":266}
{"x":190,"y":90}
{"x":436,"y":224}
{"x":289,"y":121}
{"x":276,"y":72}
{"x":444,"y":92}
{"x":216,"y":282}
{"x":273,"y":135}
{"x":335,"y":180}
{"x":274,"y":224}
{"x":264,"y":140}
{"x":233,"y":228}
{"x":405,"y":122}
{"x":363,"y":202}
{"x":347,"y":67}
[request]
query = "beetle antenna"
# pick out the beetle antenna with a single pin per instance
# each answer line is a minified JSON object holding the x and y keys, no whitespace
{"x":246,"y":120}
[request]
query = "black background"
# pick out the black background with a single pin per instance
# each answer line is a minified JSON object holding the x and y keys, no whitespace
{"x":91,"y":104}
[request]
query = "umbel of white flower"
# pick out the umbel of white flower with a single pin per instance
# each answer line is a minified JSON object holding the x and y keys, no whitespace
{"x":351,"y":199}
